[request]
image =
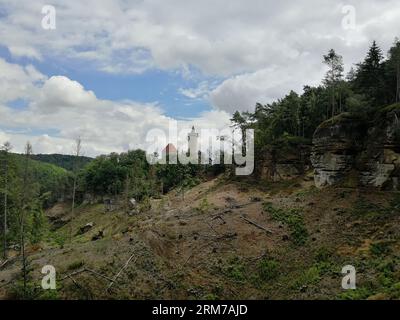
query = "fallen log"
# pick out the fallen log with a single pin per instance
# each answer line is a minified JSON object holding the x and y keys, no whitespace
{"x":86,"y":270}
{"x":120,"y":271}
{"x":256,"y":225}
{"x":4,"y":263}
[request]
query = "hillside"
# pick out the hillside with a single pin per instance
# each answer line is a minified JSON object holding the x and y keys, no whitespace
{"x":50,"y":179}
{"x":212,"y":245}
{"x":62,"y":160}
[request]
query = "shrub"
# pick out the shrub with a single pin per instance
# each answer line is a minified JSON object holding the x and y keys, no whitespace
{"x":76,"y":265}
{"x":235,"y":270}
{"x":308,"y":277}
{"x":380,"y":248}
{"x":268,"y":269}
{"x":293,"y":218}
{"x":204,"y":206}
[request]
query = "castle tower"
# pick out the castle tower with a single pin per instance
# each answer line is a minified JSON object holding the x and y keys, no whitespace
{"x":193,"y":137}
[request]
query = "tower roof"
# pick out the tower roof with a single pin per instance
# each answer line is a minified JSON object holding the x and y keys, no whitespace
{"x":169,"y":148}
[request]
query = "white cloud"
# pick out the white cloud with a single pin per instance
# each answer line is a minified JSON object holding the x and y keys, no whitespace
{"x":22,"y":51}
{"x":60,"y":92}
{"x":242,"y":92}
{"x":64,"y":110}
{"x":222,"y":38}
{"x":200,"y":92}
{"x":17,"y":82}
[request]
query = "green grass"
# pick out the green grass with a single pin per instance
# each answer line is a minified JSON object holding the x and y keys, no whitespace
{"x":355,"y":294}
{"x":309,"y":277}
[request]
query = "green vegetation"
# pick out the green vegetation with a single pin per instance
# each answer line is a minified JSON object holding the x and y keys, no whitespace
{"x":235,"y":270}
{"x":309,"y":277}
{"x":293,"y":218}
{"x":380,"y":248}
{"x":76,"y":265}
{"x":268,"y":269}
{"x":64,"y":161}
{"x":294,"y":118}
{"x":204,"y":206}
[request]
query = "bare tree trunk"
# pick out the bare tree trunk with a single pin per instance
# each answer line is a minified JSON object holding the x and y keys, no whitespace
{"x":78,"y":146}
{"x":398,"y":82}
{"x":6,"y":149}
{"x":5,"y":208}
{"x":28,"y":152}
{"x":126,"y":191}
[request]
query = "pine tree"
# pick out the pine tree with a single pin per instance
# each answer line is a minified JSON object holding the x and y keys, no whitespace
{"x":393,"y":69}
{"x":370,"y":76}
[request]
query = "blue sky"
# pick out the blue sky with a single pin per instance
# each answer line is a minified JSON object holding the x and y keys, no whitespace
{"x":151,"y":86}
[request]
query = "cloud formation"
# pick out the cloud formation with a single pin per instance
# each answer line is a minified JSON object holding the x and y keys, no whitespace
{"x":258,"y":50}
{"x":64,"y":110}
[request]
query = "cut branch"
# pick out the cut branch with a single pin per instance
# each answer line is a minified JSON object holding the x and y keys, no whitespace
{"x":120,"y":271}
{"x":256,"y":225}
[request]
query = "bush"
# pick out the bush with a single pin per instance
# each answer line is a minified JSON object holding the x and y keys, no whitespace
{"x":76,"y":265}
{"x":380,"y":248}
{"x":309,"y":277}
{"x":204,"y":206}
{"x":235,"y":270}
{"x":293,"y":218}
{"x":268,"y":269}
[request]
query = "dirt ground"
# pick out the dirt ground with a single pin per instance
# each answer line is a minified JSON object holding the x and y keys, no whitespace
{"x":223,"y":239}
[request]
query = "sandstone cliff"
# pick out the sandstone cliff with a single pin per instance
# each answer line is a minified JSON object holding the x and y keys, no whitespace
{"x":347,"y":146}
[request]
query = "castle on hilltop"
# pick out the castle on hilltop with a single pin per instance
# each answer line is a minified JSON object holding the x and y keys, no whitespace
{"x":170,"y":152}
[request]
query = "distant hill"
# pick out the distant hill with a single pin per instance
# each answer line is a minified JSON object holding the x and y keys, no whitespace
{"x":62,"y":160}
{"x":52,"y":179}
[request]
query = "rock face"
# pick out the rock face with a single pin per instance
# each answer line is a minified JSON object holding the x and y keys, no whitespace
{"x":336,"y":144}
{"x":287,"y":163}
{"x":380,"y":162}
{"x":345,"y":145}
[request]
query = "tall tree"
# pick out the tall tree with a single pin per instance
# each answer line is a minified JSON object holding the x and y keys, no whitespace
{"x":333,"y":76}
{"x":25,"y":199}
{"x":6,"y":149}
{"x":393,"y":65}
{"x":77,"y":154}
{"x":369,"y":79}
{"x":239,"y":121}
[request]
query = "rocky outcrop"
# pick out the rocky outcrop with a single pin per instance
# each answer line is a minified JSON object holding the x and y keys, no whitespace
{"x":285,"y":162}
{"x":345,"y":144}
{"x":336,"y":144}
{"x":380,"y":162}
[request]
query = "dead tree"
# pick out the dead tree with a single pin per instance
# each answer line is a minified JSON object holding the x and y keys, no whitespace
{"x":24,"y":208}
{"x":77,"y":153}
{"x":126,"y":193}
{"x":6,"y":148}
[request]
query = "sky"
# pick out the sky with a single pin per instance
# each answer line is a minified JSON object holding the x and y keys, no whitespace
{"x":111,"y":71}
